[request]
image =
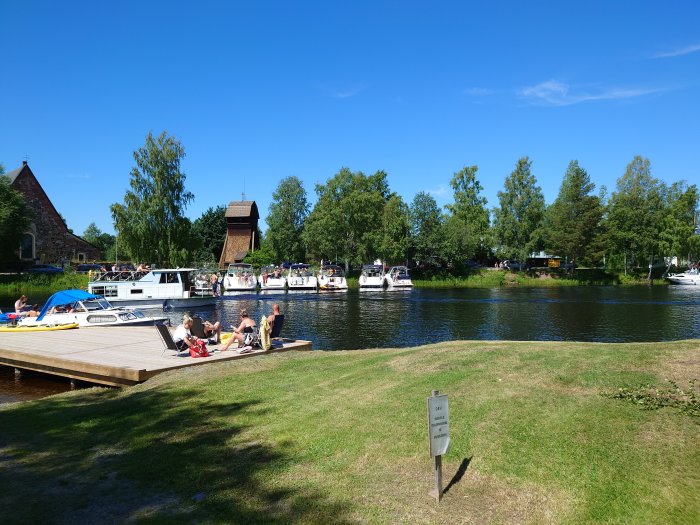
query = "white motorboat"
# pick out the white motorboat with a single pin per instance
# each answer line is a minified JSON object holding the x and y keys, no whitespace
{"x":156,"y":288}
{"x":240,"y":277}
{"x":300,"y":277}
{"x":203,"y":284}
{"x":397,"y":278}
{"x":86,"y":309}
{"x":272,"y":278}
{"x":332,"y":277}
{"x":691,"y":277}
{"x":372,"y":276}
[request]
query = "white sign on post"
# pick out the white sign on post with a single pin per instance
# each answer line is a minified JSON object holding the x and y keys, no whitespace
{"x":438,"y":425}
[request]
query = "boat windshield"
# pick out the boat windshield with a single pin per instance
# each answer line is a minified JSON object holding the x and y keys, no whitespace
{"x":332,"y":271}
{"x":272,"y":271}
{"x":299,"y":270}
{"x":238,"y":269}
{"x":372,"y":270}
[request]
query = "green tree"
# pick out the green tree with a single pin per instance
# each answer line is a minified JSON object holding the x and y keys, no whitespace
{"x":458,"y":241}
{"x":470,"y":207}
{"x":573,"y":220}
{"x":104,"y":241}
{"x":635,"y":213}
{"x":518,"y":220}
{"x":15,"y":218}
{"x":150,"y":222}
{"x":426,"y":225}
{"x":210,"y":230}
{"x":395,"y":230}
{"x":678,"y":235}
{"x":345,"y":223}
{"x":285,"y":221}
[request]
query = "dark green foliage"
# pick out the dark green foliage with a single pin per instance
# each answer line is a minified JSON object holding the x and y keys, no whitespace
{"x":470,"y":208}
{"x":518,"y":220}
{"x":150,"y":222}
{"x":573,"y":221}
{"x":15,"y":218}
{"x":210,"y":231}
{"x":345,"y":224}
{"x":426,"y":225}
{"x":285,"y":220}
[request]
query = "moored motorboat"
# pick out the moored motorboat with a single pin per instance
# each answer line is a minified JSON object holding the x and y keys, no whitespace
{"x":332,"y":277}
{"x":272,"y":278}
{"x":691,"y":277}
{"x":156,"y":288}
{"x":372,"y":276}
{"x":300,"y":277}
{"x":86,"y":309}
{"x":240,"y":277}
{"x":397,"y":278}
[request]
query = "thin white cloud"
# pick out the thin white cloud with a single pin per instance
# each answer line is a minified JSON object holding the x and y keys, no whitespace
{"x":441,"y":191}
{"x":555,"y":93}
{"x":348,"y":93}
{"x":677,"y":52}
{"x":478,"y":92}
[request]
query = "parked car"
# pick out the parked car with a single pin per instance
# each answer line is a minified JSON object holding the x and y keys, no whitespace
{"x":84,"y":268}
{"x":44,"y":268}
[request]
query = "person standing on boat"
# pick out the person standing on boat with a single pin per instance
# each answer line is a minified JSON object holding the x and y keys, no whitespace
{"x":214,"y":281}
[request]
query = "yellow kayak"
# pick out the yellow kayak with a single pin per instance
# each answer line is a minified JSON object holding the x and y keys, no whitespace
{"x":38,"y":328}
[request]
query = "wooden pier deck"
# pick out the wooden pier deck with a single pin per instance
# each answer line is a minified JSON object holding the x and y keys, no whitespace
{"x":114,"y":356}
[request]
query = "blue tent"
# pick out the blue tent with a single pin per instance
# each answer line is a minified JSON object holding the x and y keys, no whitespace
{"x":63,"y":298}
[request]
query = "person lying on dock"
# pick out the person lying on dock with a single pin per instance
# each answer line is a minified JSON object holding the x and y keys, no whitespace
{"x":247,"y":326}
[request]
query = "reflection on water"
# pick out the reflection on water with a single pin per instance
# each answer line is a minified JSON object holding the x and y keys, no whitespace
{"x":376,"y":319}
{"x":29,"y":385}
{"x":346,"y":321}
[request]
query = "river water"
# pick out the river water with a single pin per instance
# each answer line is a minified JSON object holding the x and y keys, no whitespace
{"x":386,"y":319}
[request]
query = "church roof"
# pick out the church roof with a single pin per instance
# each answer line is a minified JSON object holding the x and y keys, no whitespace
{"x":242,"y":209}
{"x":14,"y":173}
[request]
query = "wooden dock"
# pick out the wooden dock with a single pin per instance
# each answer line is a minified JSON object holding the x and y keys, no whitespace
{"x":114,"y":356}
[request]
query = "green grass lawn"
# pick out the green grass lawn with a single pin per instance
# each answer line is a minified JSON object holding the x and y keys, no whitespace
{"x":538,"y":436}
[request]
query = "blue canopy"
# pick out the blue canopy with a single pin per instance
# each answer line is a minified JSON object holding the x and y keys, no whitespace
{"x":65,"y":297}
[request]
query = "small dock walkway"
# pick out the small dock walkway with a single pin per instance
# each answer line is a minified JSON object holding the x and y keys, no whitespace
{"x":114,"y":356}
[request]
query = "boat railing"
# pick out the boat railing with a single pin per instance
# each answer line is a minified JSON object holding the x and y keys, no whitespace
{"x":125,"y":275}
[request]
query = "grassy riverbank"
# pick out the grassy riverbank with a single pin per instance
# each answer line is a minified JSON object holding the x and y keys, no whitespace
{"x":541,"y":433}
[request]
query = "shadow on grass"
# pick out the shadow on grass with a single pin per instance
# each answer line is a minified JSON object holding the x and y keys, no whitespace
{"x":459,"y":474}
{"x":159,"y":456}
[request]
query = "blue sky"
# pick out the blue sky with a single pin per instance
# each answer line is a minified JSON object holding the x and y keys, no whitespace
{"x":258,"y":91}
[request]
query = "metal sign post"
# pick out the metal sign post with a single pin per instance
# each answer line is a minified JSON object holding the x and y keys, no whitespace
{"x":438,"y":435}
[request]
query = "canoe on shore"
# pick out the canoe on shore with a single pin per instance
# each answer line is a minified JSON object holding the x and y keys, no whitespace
{"x":38,"y":328}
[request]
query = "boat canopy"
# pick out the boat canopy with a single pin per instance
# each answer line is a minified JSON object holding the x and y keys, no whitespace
{"x":65,"y":297}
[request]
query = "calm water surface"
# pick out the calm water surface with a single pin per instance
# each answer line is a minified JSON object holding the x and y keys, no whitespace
{"x":352,"y":320}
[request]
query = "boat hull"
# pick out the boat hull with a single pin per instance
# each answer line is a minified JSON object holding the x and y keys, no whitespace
{"x":684,"y":279}
{"x":156,"y":303}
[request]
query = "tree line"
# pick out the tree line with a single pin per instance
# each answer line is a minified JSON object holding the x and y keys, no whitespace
{"x":357,"y":218}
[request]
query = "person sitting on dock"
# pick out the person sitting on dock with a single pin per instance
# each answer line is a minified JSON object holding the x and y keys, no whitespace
{"x":247,"y":326}
{"x":22,"y":309}
{"x":183,"y":336}
{"x":275,"y":313}
{"x":212,"y":331}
